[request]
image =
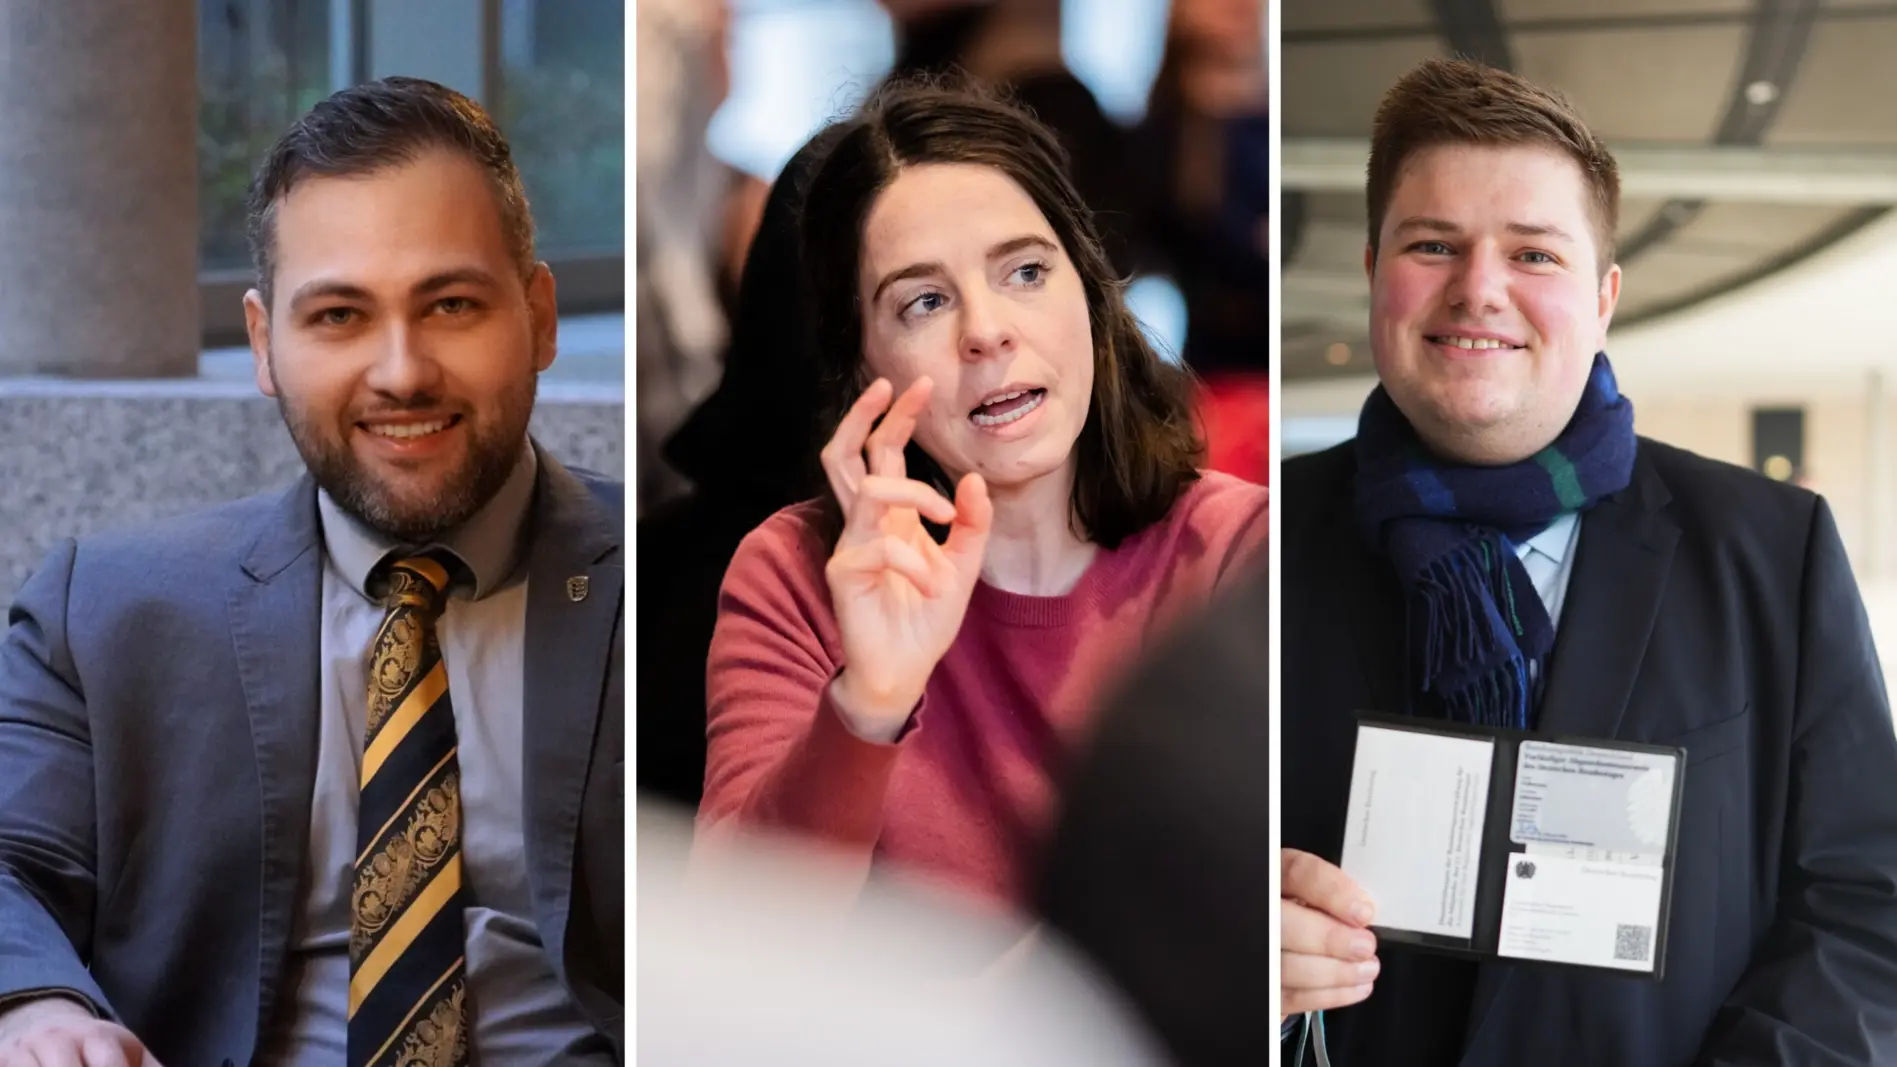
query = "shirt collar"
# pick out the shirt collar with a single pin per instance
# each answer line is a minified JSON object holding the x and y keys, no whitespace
{"x":1555,"y":542}
{"x":489,"y":544}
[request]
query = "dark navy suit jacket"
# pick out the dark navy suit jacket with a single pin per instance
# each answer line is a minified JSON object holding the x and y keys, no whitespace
{"x":1709,"y":608}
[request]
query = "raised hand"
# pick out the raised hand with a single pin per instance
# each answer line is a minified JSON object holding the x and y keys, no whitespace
{"x":899,"y":597}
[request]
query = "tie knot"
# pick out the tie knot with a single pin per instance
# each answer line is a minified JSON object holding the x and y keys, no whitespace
{"x":419,"y":582}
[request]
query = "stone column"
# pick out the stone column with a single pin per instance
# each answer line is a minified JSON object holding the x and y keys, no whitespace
{"x":99,"y":189}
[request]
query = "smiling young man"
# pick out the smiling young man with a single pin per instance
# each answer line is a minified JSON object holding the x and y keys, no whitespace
{"x":1655,"y":596}
{"x":335,"y":774}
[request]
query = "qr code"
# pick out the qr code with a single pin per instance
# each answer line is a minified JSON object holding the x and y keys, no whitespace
{"x":1633,"y":943}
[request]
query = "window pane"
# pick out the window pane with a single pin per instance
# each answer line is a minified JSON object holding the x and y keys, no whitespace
{"x":562,"y":103}
{"x":261,"y":63}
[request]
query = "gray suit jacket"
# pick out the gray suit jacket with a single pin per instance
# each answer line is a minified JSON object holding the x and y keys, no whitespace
{"x":158,"y":720}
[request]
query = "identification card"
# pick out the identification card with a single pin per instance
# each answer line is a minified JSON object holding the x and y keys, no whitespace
{"x":1495,"y":844}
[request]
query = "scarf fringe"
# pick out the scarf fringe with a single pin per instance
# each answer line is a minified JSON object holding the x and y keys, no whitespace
{"x":1469,"y":635}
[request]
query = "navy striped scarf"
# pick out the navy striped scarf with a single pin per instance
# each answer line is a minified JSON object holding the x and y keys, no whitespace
{"x":1475,"y":620}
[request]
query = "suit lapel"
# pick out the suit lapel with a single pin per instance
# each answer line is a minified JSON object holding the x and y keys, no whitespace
{"x":575,"y":577}
{"x":1369,"y":613}
{"x":1348,"y":652}
{"x":1625,"y":551}
{"x":275,"y":611}
{"x":1376,"y":601}
{"x":1619,"y":578}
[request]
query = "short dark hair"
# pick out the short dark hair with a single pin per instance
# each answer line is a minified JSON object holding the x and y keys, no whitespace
{"x":1455,"y":101}
{"x":380,"y":124}
{"x":1139,"y":448}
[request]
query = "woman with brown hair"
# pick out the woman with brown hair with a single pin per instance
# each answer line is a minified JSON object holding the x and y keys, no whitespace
{"x":911,"y":697}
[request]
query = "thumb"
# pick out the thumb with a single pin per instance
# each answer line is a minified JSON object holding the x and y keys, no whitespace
{"x":974,"y":514}
{"x":1324,"y":885}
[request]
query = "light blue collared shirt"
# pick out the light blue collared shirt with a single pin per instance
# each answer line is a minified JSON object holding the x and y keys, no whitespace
{"x":1548,"y":557}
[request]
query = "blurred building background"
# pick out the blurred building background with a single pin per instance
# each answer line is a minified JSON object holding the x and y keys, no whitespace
{"x":129,"y":130}
{"x":1758,"y":164}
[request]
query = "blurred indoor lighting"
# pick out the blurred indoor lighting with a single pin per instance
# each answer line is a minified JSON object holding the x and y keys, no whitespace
{"x":795,"y":67}
{"x":1114,"y":47}
{"x":796,"y":64}
{"x":1161,"y":310}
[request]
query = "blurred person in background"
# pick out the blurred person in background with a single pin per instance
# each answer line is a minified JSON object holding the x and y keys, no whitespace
{"x":769,"y":392}
{"x":1015,"y":46}
{"x":1207,"y":122}
{"x":335,"y":774}
{"x":905,"y":698}
{"x":695,"y":215}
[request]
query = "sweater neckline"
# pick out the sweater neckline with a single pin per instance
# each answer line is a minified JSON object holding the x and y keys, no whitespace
{"x":1023,"y":609}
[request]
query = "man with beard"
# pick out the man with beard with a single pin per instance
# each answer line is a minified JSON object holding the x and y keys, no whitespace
{"x":336,"y":774}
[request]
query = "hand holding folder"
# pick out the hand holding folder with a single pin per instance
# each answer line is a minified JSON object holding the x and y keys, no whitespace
{"x":1496,"y":844}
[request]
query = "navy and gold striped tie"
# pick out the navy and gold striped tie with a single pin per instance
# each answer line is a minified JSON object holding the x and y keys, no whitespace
{"x":407,"y":973}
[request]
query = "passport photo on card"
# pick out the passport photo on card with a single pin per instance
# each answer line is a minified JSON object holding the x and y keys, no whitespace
{"x":1495,"y":844}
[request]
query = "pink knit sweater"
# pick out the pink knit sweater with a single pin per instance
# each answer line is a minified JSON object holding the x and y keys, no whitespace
{"x":967,"y":792}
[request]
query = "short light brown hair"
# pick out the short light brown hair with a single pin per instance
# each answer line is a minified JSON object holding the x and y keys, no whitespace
{"x":1456,"y":102}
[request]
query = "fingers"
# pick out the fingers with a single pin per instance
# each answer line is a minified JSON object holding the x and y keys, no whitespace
{"x":1326,"y":887}
{"x":842,"y":457}
{"x":1306,"y":972}
{"x":880,"y":498}
{"x":118,"y":1049}
{"x":905,"y":493}
{"x":65,"y":1048}
{"x":1328,"y":961}
{"x":1299,"y":1001}
{"x":968,"y":533}
{"x":893,"y":433}
{"x":1311,"y":931}
{"x":58,"y":1051}
{"x":881,"y":555}
{"x":51,"y":1037}
{"x":102,"y":1051}
{"x":25,"y":1055}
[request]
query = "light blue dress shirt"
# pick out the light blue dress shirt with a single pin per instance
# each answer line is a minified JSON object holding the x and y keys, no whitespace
{"x":1548,"y":557}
